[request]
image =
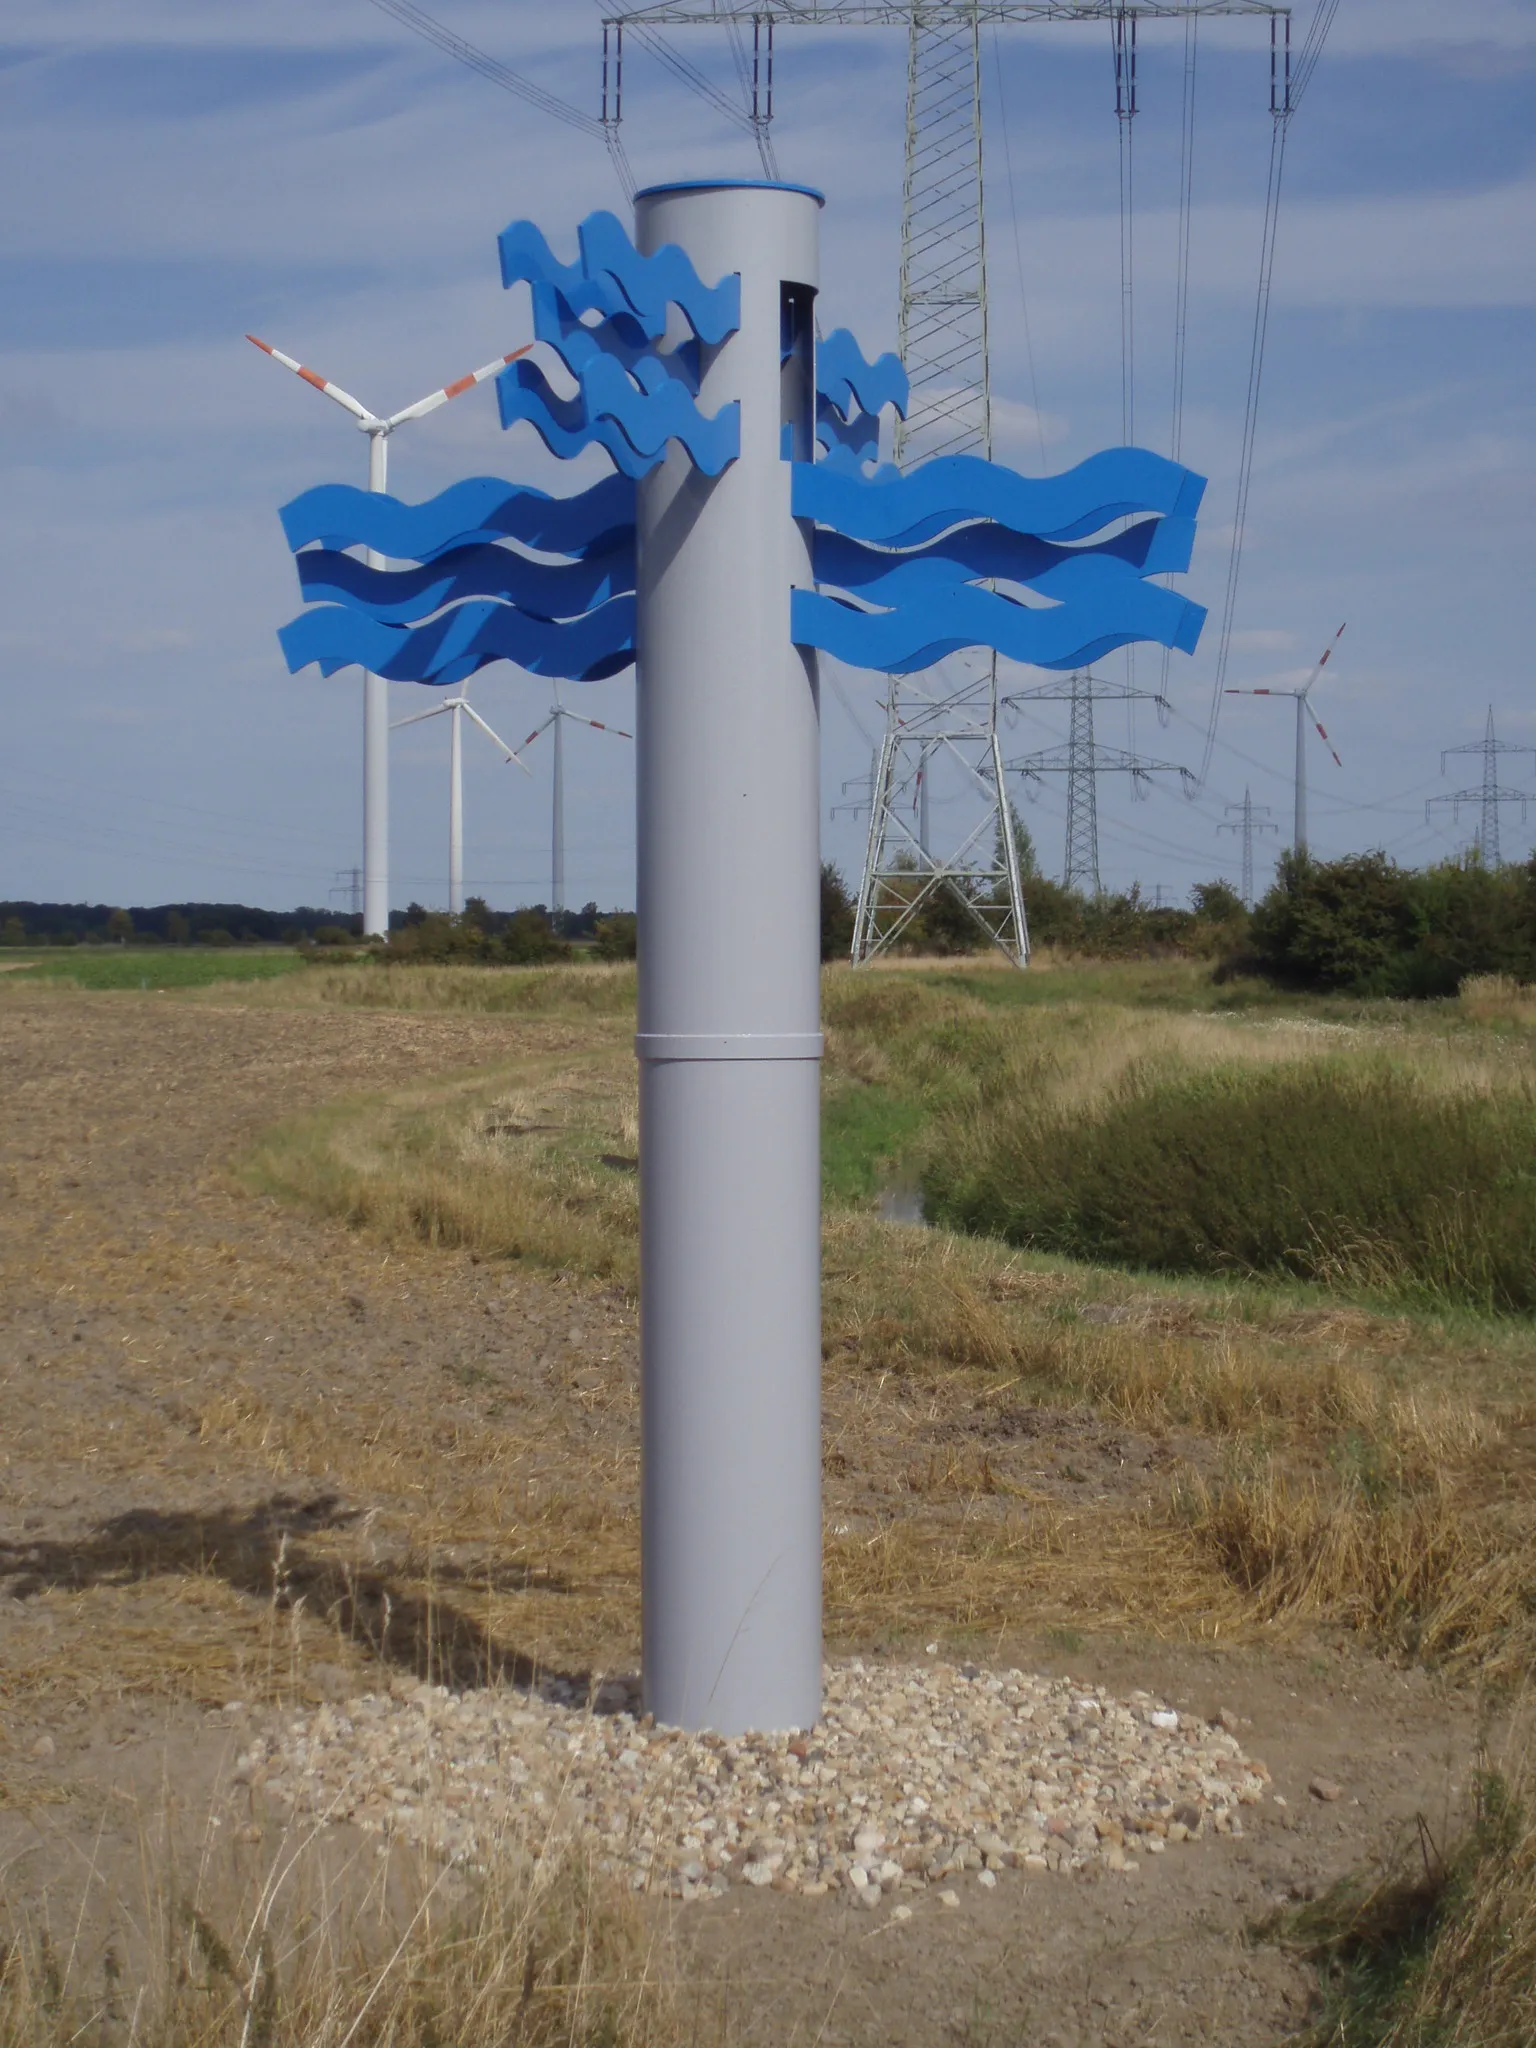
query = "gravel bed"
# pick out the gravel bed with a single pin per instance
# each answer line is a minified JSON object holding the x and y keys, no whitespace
{"x":915,"y":1777}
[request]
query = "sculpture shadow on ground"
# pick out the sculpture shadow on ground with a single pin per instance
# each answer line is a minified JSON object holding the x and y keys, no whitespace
{"x":267,"y":1553}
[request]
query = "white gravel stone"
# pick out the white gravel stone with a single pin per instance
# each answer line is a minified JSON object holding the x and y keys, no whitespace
{"x":913,"y":1776}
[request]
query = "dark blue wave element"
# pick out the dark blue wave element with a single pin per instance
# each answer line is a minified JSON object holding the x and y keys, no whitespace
{"x":451,"y":647}
{"x":939,"y":623}
{"x":633,"y":425}
{"x":545,"y":590}
{"x":556,"y":323}
{"x":903,"y":510}
{"x":850,"y":443}
{"x":846,"y":380}
{"x":1152,"y":547}
{"x":612,"y":278}
{"x":482,"y":508}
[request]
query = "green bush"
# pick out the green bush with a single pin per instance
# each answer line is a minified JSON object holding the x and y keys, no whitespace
{"x":1367,"y":926}
{"x":1351,"y":1175}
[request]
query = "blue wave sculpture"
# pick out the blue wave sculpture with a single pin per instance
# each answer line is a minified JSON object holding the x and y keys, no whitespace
{"x":1152,"y":547}
{"x":634,"y":426}
{"x":848,"y":443}
{"x":937,"y":624}
{"x":448,"y":649}
{"x":900,"y":510}
{"x":611,"y":277}
{"x":482,"y":508}
{"x":556,"y":323}
{"x":544,"y":590}
{"x":845,"y":379}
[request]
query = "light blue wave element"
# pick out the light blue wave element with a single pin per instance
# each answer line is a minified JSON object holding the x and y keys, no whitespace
{"x":845,"y":379}
{"x":611,"y":277}
{"x":481,"y":508}
{"x":545,"y":590}
{"x":634,"y":426}
{"x":448,"y":649}
{"x":903,"y":510}
{"x":1152,"y":547}
{"x":1090,"y":624}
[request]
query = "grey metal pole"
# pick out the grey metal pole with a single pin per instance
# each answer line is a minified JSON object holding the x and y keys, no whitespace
{"x":376,"y":744}
{"x":729,"y":1027}
{"x":1301,"y":776}
{"x":557,"y":819}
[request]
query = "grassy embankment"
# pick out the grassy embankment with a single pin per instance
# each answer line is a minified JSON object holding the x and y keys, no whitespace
{"x":1359,"y":1435}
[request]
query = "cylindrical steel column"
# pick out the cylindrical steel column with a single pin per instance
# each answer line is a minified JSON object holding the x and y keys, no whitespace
{"x":376,"y":748}
{"x":729,"y":1026}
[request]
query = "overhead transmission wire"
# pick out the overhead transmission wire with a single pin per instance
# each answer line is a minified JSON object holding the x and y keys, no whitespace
{"x":1283,"y":106}
{"x":1181,"y":280}
{"x":698,"y":82}
{"x":464,"y":52}
{"x":1018,"y":254}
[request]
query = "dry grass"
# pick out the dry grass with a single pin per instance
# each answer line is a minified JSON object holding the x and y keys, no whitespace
{"x":1497,"y":998}
{"x":1291,"y":1400}
{"x":319,"y":1950}
{"x":1437,"y":1947}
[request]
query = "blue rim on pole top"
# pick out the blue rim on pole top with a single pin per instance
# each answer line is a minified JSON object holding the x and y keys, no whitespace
{"x":731,"y":185}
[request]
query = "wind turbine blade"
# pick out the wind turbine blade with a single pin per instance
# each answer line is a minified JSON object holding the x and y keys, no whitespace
{"x":538,"y":729}
{"x":1258,"y":693}
{"x":417,"y":716}
{"x":1322,"y":660}
{"x":335,"y":391}
{"x":471,"y":712}
{"x":1328,"y":743}
{"x":437,"y":398}
{"x":597,"y":725}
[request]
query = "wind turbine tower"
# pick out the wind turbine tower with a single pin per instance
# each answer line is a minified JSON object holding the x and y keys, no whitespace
{"x":1251,"y":818}
{"x":1304,"y":713}
{"x":1489,"y":796}
{"x":558,"y":715}
{"x":375,"y":688}
{"x":454,"y":708}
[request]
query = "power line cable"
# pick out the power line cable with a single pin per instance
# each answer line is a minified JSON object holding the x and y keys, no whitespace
{"x":1018,"y":254}
{"x":462,"y":51}
{"x":1286,"y":89}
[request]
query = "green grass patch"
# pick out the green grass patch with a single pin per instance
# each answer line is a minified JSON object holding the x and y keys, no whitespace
{"x":865,"y":1133}
{"x":1333,"y":1171}
{"x":154,"y":967}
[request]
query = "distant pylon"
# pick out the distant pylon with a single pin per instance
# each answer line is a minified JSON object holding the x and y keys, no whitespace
{"x":1082,"y":760}
{"x":1252,"y":818}
{"x":1490,"y":796}
{"x":949,"y":713}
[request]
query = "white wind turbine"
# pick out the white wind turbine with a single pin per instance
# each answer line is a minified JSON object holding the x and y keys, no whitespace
{"x":458,"y":706}
{"x":375,"y":689}
{"x":558,"y":714}
{"x":1304,"y":712}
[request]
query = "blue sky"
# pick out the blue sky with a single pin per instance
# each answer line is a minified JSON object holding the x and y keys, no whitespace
{"x":183,"y":170}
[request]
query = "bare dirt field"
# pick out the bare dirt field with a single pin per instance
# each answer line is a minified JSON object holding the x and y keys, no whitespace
{"x":252,"y":1457}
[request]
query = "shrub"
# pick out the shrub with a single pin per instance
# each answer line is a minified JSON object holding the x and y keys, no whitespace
{"x":1354,"y":1175}
{"x":1365,"y":925}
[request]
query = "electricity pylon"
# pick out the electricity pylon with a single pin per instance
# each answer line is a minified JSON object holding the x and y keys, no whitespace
{"x":1082,"y":760}
{"x":1251,"y":818}
{"x":1489,"y":796}
{"x":949,"y":711}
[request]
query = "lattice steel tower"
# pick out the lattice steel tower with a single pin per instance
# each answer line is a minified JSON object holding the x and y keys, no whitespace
{"x":1489,"y":797}
{"x":1082,"y":760}
{"x":948,"y":712}
{"x":1251,"y":818}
